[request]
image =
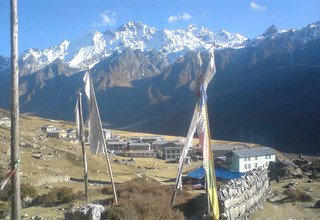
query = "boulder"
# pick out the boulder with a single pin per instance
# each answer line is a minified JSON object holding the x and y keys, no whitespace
{"x":87,"y":212}
{"x":317,"y":205}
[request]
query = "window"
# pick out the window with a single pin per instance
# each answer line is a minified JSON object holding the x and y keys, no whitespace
{"x":256,"y":158}
{"x":266,"y":164}
{"x":173,"y":156}
{"x":269,"y":156}
{"x":178,"y":151}
{"x":256,"y":165}
{"x":168,"y":151}
{"x":266,"y":156}
{"x":245,"y":166}
{"x":173,"y":151}
{"x":248,"y":158}
{"x":249,"y":166}
{"x":169,"y":156}
{"x":245,"y":159}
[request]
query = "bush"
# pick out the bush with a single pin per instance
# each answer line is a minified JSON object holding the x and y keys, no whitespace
{"x":28,"y":190}
{"x":57,"y":196}
{"x":120,"y":212}
{"x":142,"y":199}
{"x":295,"y":195}
{"x":5,"y":209}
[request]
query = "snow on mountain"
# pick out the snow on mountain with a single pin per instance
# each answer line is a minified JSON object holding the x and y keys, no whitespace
{"x":34,"y":59}
{"x":93,"y":46}
{"x":300,"y":36}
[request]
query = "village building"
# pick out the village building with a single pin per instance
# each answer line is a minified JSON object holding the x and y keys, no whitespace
{"x":48,"y":128}
{"x":60,"y":134}
{"x":172,"y":151}
{"x":114,"y":140}
{"x":246,"y":159}
{"x":135,"y":139}
{"x":151,"y":139}
{"x":139,"y":146}
{"x":107,"y":134}
{"x":5,"y":121}
{"x":140,"y":153}
{"x":221,"y":150}
{"x":158,"y":145}
{"x":72,"y":133}
{"x":117,"y":147}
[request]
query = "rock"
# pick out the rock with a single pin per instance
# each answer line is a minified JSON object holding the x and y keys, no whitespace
{"x":89,"y":211}
{"x":37,"y":217}
{"x":310,"y":189}
{"x":317,"y":205}
{"x":27,"y":201}
{"x":25,"y":216}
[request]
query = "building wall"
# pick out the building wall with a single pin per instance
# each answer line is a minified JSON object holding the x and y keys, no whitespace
{"x":172,"y":153}
{"x":234,"y":163}
{"x":250,"y":163}
{"x":239,"y":198}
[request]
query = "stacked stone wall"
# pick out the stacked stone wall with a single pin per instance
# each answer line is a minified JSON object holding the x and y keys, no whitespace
{"x":241,"y":197}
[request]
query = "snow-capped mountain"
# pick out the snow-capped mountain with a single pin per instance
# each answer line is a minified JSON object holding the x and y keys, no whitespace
{"x":299,"y":36}
{"x":93,"y":46}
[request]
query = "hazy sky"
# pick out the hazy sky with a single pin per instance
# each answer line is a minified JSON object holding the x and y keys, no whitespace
{"x":45,"y":23}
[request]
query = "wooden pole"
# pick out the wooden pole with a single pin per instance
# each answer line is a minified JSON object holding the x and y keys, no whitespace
{"x":105,"y":146}
{"x":16,"y":204}
{"x":81,"y":132}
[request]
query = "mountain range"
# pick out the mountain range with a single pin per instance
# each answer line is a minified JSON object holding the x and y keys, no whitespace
{"x":266,"y":90}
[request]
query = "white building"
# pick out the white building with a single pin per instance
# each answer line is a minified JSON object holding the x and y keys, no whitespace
{"x":5,"y":121}
{"x":107,"y":134}
{"x":243,"y":160}
{"x":48,"y":128}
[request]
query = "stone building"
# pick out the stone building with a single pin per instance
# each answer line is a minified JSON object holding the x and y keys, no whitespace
{"x":140,"y":153}
{"x":117,"y":146}
{"x":139,"y":146}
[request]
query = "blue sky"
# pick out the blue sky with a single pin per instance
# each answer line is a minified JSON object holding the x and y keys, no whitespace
{"x":44,"y":23}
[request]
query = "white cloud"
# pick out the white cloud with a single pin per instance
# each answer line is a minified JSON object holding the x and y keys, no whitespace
{"x":255,"y":7}
{"x":107,"y":18}
{"x":181,"y":16}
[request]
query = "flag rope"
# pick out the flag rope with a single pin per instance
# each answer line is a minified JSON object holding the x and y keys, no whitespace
{"x":9,"y":175}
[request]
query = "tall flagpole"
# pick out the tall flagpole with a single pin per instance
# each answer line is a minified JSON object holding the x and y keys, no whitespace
{"x":81,"y":137}
{"x":105,"y":147}
{"x":16,"y":204}
{"x":209,"y":152}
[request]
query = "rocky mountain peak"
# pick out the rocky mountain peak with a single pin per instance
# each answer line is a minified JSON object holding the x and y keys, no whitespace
{"x":270,"y":31}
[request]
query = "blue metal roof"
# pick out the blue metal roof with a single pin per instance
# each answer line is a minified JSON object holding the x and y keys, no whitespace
{"x":220,"y":173}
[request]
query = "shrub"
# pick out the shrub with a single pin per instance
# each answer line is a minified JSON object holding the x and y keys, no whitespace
{"x":297,"y":195}
{"x":28,"y":190}
{"x":120,"y":212}
{"x":57,"y":196}
{"x":142,"y":199}
{"x":5,"y":209}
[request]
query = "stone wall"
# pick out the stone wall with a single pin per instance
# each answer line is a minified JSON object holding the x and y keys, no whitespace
{"x":241,"y":197}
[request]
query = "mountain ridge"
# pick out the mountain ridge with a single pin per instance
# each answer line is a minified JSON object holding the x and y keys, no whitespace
{"x":265,"y":91}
